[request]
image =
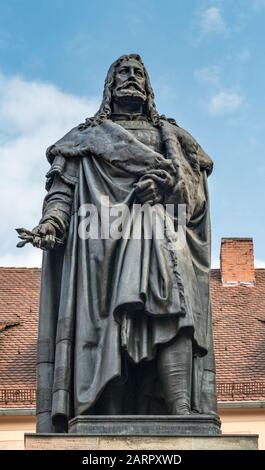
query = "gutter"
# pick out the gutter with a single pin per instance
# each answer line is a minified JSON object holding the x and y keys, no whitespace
{"x":17,"y":411}
{"x":241,"y":404}
{"x":221,"y":405}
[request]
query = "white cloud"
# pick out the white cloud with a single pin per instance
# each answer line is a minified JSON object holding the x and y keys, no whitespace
{"x":27,"y":257}
{"x":33,"y":115}
{"x":224,"y":102}
{"x":211,"y":21}
{"x":210,"y":74}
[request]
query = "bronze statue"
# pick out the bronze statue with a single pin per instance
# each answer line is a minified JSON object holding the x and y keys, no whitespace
{"x":125,"y":323}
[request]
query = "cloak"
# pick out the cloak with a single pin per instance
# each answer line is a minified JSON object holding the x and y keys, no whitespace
{"x":103,"y":294}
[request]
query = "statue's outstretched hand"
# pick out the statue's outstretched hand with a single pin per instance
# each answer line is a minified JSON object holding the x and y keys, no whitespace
{"x":148,"y":191}
{"x":43,"y":236}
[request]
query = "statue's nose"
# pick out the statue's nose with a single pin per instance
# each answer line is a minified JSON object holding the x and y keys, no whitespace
{"x":131,"y":73}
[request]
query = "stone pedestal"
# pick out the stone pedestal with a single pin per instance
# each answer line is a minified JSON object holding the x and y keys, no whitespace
{"x":192,"y":432}
{"x":190,"y":425}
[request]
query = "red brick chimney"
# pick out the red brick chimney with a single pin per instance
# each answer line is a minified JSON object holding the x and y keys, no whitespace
{"x":237,"y":262}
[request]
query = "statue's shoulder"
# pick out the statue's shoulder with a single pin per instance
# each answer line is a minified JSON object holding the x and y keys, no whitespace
{"x":69,"y":145}
{"x":184,"y":137}
{"x":63,"y":157}
{"x":192,"y":148}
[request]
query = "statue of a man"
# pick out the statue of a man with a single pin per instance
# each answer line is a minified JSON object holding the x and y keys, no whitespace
{"x":125,"y":322}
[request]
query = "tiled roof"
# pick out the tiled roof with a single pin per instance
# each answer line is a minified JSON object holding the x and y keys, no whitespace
{"x":19,"y":296}
{"x":239,"y":334}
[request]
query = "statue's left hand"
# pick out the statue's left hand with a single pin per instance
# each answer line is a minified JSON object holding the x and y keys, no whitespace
{"x":148,"y":191}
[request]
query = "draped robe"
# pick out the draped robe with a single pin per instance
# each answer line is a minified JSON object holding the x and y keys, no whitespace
{"x":103,"y":296}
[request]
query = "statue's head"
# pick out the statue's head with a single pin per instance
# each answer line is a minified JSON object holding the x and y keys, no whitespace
{"x":127,"y":79}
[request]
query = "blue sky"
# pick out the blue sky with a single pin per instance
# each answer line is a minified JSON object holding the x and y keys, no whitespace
{"x":207,"y":66}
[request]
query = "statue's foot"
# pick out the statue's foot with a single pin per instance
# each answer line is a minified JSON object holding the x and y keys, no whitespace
{"x":180,"y":409}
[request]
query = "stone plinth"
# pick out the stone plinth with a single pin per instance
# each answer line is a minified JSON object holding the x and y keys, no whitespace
{"x":81,"y":442}
{"x":190,"y":425}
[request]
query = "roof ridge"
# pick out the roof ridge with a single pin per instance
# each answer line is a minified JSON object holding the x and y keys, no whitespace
{"x":19,"y":268}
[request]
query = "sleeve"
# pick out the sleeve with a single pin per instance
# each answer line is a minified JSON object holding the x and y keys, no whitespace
{"x":61,"y":182}
{"x":57,"y":205}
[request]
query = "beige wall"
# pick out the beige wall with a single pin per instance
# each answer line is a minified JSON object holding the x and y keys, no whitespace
{"x":244,"y":421}
{"x":239,"y":421}
{"x":12,"y":429}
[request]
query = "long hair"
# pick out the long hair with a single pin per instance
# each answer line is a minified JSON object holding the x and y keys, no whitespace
{"x":104,"y":111}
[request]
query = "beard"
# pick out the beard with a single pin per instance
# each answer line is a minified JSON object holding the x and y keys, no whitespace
{"x":129,"y":90}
